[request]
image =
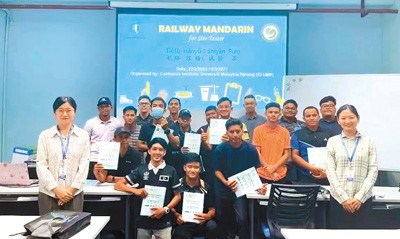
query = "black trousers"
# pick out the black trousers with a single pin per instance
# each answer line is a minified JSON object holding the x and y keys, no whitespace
{"x":340,"y":219}
{"x":191,"y":230}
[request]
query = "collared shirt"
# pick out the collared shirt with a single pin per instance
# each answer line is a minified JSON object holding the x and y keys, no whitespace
{"x":100,"y":131}
{"x":142,"y":121}
{"x":291,"y":126}
{"x":364,"y":166}
{"x":252,"y":123}
{"x":333,"y":126}
{"x":203,"y":188}
{"x":305,"y":138}
{"x":155,"y":169}
{"x":50,"y":157}
{"x":165,"y":177}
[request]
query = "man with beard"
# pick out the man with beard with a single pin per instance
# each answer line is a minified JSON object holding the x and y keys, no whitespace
{"x":328,"y":118}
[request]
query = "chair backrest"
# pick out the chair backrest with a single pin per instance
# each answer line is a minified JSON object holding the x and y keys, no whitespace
{"x":291,"y":206}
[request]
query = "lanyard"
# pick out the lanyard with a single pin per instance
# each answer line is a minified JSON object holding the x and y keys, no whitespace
{"x":347,"y":152}
{"x":64,"y":151}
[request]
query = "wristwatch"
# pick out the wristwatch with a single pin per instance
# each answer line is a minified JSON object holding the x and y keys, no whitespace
{"x":167,"y":131}
{"x":167,"y":210}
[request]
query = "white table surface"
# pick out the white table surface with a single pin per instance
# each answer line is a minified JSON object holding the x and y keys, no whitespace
{"x":14,"y":224}
{"x":337,"y":234}
{"x":92,"y":187}
{"x":381,"y":194}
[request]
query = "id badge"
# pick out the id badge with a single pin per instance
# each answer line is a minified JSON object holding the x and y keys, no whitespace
{"x":349,"y":175}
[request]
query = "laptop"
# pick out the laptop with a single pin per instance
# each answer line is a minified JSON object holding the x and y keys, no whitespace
{"x":15,"y":174}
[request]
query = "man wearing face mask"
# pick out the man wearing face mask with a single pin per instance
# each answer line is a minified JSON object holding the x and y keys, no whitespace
{"x":158,"y":128}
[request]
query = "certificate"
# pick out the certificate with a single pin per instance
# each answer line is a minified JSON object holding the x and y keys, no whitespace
{"x":109,"y":154}
{"x":217,"y":130}
{"x":248,"y":181}
{"x":317,"y":156}
{"x":155,"y":198}
{"x":192,"y":203}
{"x":193,"y":142}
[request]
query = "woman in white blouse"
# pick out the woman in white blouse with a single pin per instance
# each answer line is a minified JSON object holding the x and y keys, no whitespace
{"x":352,"y":171}
{"x":62,"y":160}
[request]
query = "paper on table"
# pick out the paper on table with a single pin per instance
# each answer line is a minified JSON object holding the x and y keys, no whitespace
{"x":317,"y":156}
{"x":217,"y":130}
{"x":109,"y":154}
{"x":248,"y":181}
{"x":193,"y":142}
{"x":192,"y":203}
{"x":155,"y":198}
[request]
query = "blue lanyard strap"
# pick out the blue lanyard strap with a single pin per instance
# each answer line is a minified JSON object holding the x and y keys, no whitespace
{"x":65,"y":149}
{"x":354,"y":150}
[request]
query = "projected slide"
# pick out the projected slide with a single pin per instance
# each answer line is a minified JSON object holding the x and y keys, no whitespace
{"x":200,"y":59}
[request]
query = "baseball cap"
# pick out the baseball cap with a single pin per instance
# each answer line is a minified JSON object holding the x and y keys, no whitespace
{"x":104,"y":101}
{"x":185,"y":113}
{"x":121,"y":130}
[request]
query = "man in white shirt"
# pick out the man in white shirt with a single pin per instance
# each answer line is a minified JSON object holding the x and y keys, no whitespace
{"x":101,"y":127}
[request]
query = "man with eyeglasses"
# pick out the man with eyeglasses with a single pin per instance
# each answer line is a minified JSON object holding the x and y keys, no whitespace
{"x":328,"y":118}
{"x":288,"y":119}
{"x":144,"y":107}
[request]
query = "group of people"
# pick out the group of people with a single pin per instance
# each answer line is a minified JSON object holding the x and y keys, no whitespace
{"x":152,"y":154}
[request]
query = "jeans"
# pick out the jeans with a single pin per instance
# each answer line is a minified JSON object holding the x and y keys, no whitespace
{"x":233,"y":214}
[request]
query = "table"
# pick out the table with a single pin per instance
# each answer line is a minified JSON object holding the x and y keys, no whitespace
{"x":16,"y":224}
{"x":335,"y":234}
{"x":94,"y":192}
{"x":384,"y":198}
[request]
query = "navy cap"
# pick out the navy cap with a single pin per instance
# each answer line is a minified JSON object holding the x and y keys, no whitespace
{"x":104,"y":101}
{"x":121,"y":130}
{"x":185,"y":113}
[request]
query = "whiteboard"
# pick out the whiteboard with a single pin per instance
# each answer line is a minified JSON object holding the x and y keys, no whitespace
{"x":376,"y":98}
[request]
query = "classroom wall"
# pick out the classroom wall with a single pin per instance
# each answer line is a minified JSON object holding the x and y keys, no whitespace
{"x":72,"y":52}
{"x":53,"y":53}
{"x":390,"y":42}
{"x":335,"y":43}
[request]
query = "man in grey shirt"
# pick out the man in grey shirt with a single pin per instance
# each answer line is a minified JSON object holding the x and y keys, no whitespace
{"x":251,"y":119}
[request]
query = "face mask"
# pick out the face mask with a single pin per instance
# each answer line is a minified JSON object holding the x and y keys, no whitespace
{"x":157,"y":113}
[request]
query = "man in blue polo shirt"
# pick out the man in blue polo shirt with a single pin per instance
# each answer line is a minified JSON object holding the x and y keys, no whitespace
{"x":156,"y":173}
{"x":310,"y":136}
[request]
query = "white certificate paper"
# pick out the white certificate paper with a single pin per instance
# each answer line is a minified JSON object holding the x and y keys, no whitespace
{"x":155,"y":198}
{"x":109,"y":154}
{"x":217,"y":130}
{"x":192,"y":203}
{"x":317,"y":156}
{"x":193,"y":142}
{"x":248,"y":181}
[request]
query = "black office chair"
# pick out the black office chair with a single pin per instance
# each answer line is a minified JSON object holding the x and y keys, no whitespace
{"x":291,"y":206}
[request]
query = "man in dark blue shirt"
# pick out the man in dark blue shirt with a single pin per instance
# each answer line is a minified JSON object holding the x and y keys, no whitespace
{"x":328,"y":118}
{"x":230,"y":158}
{"x":191,"y":183}
{"x":310,"y":136}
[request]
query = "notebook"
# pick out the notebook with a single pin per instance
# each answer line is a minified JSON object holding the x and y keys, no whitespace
{"x":15,"y":174}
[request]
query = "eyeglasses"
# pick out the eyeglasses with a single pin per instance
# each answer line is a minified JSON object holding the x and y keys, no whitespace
{"x":144,"y":103}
